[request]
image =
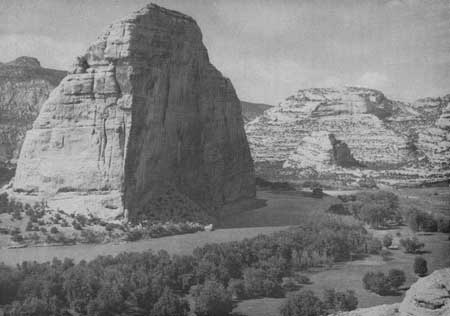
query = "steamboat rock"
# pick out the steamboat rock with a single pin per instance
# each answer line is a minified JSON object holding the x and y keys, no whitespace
{"x":351,"y":136}
{"x":24,"y":87}
{"x":144,"y":121}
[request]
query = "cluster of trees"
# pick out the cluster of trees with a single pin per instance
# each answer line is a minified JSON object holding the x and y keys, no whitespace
{"x":411,"y":245}
{"x":306,"y":303}
{"x":378,"y":209}
{"x":382,"y":284}
{"x":420,"y":266}
{"x":422,"y":221}
{"x":154,"y":284}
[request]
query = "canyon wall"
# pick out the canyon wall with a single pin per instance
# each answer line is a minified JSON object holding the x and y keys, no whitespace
{"x":346,"y":136}
{"x":24,"y":87}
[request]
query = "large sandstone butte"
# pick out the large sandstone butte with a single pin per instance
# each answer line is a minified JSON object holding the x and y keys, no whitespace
{"x":144,"y":122}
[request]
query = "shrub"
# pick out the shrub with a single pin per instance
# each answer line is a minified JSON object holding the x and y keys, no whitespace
{"x":76,"y":225}
{"x":211,"y":299}
{"x":444,"y":225}
{"x":9,"y":284}
{"x":29,"y":226}
{"x":43,"y":230}
{"x":396,"y":278}
{"x":317,"y":192}
{"x":91,"y":237}
{"x":338,"y":209}
{"x":420,"y":266}
{"x":83,"y":220}
{"x":170,"y":305}
{"x":411,"y":245}
{"x":109,"y":227}
{"x":374,"y":246}
{"x":385,"y":254}
{"x":54,"y":230}
{"x":303,"y":303}
{"x":384,"y":285}
{"x":30,"y":307}
{"x":257,"y":284}
{"x":340,"y":301}
{"x":17,"y":238}
{"x":377,"y":208}
{"x":134,"y":235}
{"x":302,"y":279}
{"x":16,"y":215}
{"x":236,"y":288}
{"x":387,"y":240}
{"x":377,"y":283}
{"x":421,"y":221}
{"x":290,"y":285}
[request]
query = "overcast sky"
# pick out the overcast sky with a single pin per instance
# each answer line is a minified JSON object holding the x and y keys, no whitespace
{"x":269,"y":49}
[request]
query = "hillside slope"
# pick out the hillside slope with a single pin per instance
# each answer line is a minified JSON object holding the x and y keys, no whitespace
{"x":24,"y":86}
{"x":250,"y":110}
{"x":351,"y":136}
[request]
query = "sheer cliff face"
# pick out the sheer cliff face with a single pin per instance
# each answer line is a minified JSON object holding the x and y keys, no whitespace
{"x":144,"y":116}
{"x":374,"y":137}
{"x":24,"y":86}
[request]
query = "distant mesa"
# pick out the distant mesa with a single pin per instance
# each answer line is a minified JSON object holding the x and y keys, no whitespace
{"x":250,"y":110}
{"x":24,"y":86}
{"x":25,"y":61}
{"x":344,"y":136}
{"x":144,"y":123}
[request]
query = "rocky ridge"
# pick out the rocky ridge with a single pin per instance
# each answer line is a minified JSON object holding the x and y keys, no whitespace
{"x":144,"y":124}
{"x":24,"y":87}
{"x":429,"y":296}
{"x":374,"y":137}
{"x":250,"y":110}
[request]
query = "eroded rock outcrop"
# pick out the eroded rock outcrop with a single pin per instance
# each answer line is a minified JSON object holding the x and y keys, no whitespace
{"x":143,"y":122}
{"x":24,"y":87}
{"x":374,"y":138}
{"x":429,"y":296}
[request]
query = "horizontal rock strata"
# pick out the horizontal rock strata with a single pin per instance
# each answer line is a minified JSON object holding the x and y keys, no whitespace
{"x":143,"y":122}
{"x":391,"y":142}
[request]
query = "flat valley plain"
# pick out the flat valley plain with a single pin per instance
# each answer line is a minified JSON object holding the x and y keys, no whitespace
{"x":273,"y":211}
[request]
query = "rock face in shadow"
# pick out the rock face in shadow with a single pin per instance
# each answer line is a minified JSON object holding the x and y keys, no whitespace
{"x":24,"y":87}
{"x":342,"y":156}
{"x":429,"y":296}
{"x":144,"y":122}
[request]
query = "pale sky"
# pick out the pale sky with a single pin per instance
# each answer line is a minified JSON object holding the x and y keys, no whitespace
{"x":269,"y":49}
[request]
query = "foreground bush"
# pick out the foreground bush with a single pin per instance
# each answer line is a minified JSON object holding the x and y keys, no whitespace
{"x":211,"y":299}
{"x":303,"y":303}
{"x":411,"y":245}
{"x":170,"y":305}
{"x":387,"y":240}
{"x":381,"y":284}
{"x":336,"y":301}
{"x":420,"y":266}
